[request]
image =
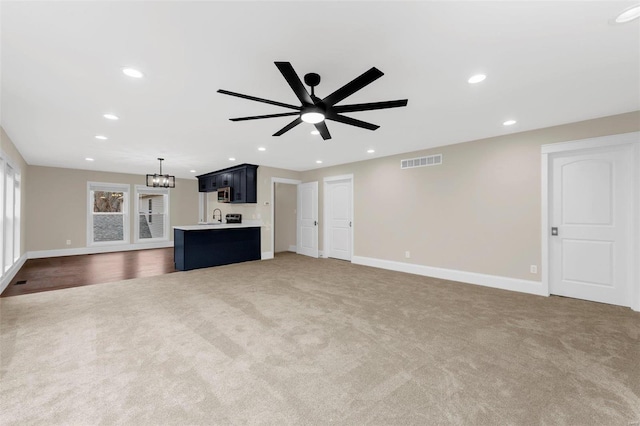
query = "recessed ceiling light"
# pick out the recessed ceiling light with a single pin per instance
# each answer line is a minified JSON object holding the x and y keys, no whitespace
{"x":477,"y":78}
{"x":132,"y":72}
{"x":101,"y":137}
{"x":110,"y":117}
{"x":319,"y":161}
{"x":89,"y":159}
{"x":371,"y":151}
{"x":262,"y":148}
{"x":232,"y":159}
{"x":628,"y":14}
{"x":315,"y":132}
{"x":192,"y":171}
{"x":509,"y":123}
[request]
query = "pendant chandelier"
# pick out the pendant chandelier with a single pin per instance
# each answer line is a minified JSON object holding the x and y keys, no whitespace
{"x":160,"y":180}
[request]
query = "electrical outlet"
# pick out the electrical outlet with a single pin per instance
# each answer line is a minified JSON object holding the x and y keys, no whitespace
{"x":533,"y":269}
{"x":68,"y":242}
{"x":407,"y":254}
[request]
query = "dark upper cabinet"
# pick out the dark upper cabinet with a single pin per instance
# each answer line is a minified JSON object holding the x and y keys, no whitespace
{"x":243,"y":179}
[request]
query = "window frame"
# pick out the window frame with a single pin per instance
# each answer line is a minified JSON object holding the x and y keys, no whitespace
{"x":126,"y":217}
{"x":10,"y":246}
{"x":142,"y":189}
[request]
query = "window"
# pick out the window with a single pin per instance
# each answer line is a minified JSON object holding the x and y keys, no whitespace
{"x":152,"y":223}
{"x":108,"y":217}
{"x":9,"y":214}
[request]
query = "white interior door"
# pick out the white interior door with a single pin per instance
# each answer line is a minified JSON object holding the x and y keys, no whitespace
{"x":307,"y":218}
{"x":339,"y":219}
{"x":591,"y":209}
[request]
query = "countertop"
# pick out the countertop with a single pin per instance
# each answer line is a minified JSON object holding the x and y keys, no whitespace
{"x":217,"y":225}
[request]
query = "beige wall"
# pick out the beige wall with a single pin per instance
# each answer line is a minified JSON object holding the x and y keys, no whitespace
{"x":56,"y":209}
{"x":261,"y":209}
{"x":10,"y":150}
{"x":478,"y":212}
{"x":286,"y":197}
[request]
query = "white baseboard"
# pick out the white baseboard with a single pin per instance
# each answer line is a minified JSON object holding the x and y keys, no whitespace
{"x":293,"y":248}
{"x":266,"y":255}
{"x":97,"y":249}
{"x":494,"y":281}
{"x":8,"y":276}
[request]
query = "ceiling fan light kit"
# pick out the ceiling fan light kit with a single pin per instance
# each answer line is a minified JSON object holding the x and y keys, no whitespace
{"x":316,"y":111}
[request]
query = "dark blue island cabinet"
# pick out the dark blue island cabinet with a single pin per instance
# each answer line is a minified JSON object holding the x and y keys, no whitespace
{"x":204,"y":246}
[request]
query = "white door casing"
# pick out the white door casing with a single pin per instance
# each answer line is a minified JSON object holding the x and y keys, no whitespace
{"x":592,"y":198}
{"x":307,"y":218}
{"x":338,"y":217}
{"x":270,"y":227}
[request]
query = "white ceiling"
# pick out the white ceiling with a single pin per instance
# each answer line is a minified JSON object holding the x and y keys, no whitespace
{"x":547,"y":62}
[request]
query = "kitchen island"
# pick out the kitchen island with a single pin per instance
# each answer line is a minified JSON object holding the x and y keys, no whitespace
{"x":205,"y":245}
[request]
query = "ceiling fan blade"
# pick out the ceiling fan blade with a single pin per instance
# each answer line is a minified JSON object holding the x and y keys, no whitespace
{"x":352,"y":121}
{"x":292,"y":78}
{"x":324,"y":131}
{"x":353,"y":86}
{"x":253,"y":98}
{"x":370,"y":106}
{"x":288,"y":127}
{"x":257,"y":117}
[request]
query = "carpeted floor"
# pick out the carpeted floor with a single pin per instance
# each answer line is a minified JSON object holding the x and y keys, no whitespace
{"x":305,"y":341}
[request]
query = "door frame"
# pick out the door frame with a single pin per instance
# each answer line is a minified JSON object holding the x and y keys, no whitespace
{"x":325,"y":212}
{"x":633,"y":141}
{"x":275,"y":180}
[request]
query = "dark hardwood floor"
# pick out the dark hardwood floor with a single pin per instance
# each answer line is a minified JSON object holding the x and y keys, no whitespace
{"x":54,"y":273}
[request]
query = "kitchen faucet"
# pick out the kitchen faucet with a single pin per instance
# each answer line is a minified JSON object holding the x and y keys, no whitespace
{"x":219,"y":217}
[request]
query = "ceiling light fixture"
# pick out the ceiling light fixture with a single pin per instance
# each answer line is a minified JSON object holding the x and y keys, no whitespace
{"x":101,"y":137}
{"x":110,"y":116}
{"x":262,"y":148}
{"x":89,"y":159}
{"x":477,"y":78}
{"x":319,"y":161}
{"x":371,"y":151}
{"x":159,"y":180}
{"x":312,"y":117}
{"x":232,"y":158}
{"x":509,"y":123}
{"x":629,"y":14}
{"x":132,"y":72}
{"x":192,"y":171}
{"x":315,"y":132}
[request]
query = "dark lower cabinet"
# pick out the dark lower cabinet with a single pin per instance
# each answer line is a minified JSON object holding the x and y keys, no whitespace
{"x":203,"y":248}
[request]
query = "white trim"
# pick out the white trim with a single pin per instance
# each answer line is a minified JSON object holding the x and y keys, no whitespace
{"x":493,"y":281}
{"x":11,"y":272}
{"x":125,"y":188}
{"x":94,"y":250}
{"x":142,"y":189}
{"x":633,"y":140}
{"x":292,"y":248}
{"x":599,"y":142}
{"x":266,"y":255}
{"x":339,"y":177}
{"x":271,"y":226}
{"x":325,"y":210}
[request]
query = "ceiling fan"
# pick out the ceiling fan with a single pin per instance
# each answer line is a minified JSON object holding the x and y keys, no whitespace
{"x":315,"y":110}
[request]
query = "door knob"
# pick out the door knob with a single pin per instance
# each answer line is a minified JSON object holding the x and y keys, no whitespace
{"x":554,"y":231}
{"x":315,"y":223}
